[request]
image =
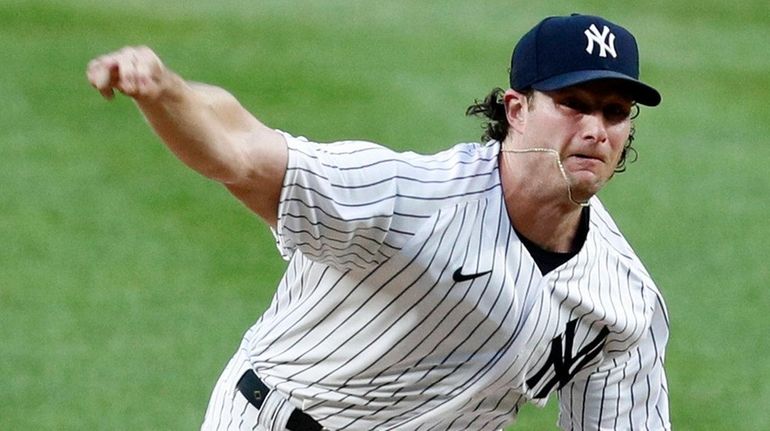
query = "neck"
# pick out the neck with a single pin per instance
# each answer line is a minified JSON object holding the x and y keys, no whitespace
{"x":552,"y":229}
{"x":542,"y":213}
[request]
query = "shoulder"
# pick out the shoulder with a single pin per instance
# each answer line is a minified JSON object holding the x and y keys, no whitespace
{"x":607,"y":233}
{"x":459,"y":155}
{"x":463,"y":153}
{"x":352,"y":160}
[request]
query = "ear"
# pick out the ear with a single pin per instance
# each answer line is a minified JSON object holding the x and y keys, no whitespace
{"x":516,"y":106}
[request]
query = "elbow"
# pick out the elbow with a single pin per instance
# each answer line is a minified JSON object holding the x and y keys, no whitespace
{"x":219,"y":160}
{"x":255,"y":159}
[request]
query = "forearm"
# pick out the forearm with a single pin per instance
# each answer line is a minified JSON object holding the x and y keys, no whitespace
{"x":209,"y":130}
{"x":205,"y":127}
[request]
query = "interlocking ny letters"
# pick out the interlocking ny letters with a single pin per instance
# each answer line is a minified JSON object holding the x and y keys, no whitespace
{"x":601,"y":39}
{"x":564,"y":364}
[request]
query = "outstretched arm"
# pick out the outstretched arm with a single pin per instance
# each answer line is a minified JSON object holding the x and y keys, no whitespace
{"x":203,"y":125}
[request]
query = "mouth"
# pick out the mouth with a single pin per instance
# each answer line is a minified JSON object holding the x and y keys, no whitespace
{"x":585,"y":162}
{"x":587,"y":159}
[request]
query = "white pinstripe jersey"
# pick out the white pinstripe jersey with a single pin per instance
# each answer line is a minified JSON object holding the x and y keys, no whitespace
{"x":370,"y":330}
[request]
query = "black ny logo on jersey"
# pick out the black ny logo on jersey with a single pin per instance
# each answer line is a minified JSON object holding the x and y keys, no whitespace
{"x":566,"y":365}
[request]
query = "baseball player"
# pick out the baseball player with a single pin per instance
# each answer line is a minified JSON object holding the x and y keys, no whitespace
{"x":445,"y":291}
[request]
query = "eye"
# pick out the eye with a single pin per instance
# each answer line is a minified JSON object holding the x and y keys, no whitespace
{"x":617,"y":112}
{"x":575,"y":104}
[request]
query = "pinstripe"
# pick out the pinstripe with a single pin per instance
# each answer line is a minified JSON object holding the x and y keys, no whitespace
{"x":331,"y":217}
{"x":654,"y":346}
{"x":663,"y":311}
{"x":533,"y":353}
{"x":386,"y":306}
{"x":660,"y":416}
{"x":394,"y":178}
{"x":602,"y":400}
{"x":584,"y":403}
{"x":325,"y":246}
{"x":343,"y":221}
{"x":343,"y":322}
{"x":467,"y":314}
{"x":603,"y":229}
{"x":636,"y":322}
{"x":281,"y":324}
{"x":368,"y":330}
{"x":216,"y":412}
{"x":633,"y":385}
{"x":527,"y":290}
{"x":357,"y":204}
{"x":318,"y":252}
{"x":406,"y":215}
{"x":476,"y":376}
{"x":223,"y":405}
{"x":498,"y":421}
{"x":275,"y":415}
{"x":232,"y":405}
{"x":297,"y":359}
{"x":242,"y":416}
{"x":439,"y":323}
{"x":647,"y":400}
{"x":261,"y":416}
{"x":404,"y":313}
{"x":405,"y":162}
{"x":346,"y":234}
{"x":616,"y":294}
{"x":617,"y":415}
{"x":383,"y":371}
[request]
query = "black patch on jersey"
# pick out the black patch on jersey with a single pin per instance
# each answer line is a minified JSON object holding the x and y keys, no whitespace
{"x":546,"y":260}
{"x":459,"y":277}
{"x":561,"y":358}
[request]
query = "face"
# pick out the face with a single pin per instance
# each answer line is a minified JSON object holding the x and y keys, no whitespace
{"x":588,"y":125}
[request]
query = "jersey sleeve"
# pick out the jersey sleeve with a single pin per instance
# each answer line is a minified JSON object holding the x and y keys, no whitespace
{"x":333,"y":210}
{"x":354,"y":204}
{"x":628,"y":391}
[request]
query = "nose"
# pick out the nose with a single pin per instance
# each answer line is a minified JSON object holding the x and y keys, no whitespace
{"x":594,"y":127}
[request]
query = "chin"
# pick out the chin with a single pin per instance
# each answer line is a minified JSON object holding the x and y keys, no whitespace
{"x":586,"y":185}
{"x":582,"y":196}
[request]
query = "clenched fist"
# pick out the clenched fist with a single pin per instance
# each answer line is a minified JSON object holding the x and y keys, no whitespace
{"x":134,"y":71}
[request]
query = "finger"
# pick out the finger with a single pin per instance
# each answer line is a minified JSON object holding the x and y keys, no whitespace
{"x":143,"y":80}
{"x":127,"y":65}
{"x":134,"y":71}
{"x":100,"y":73}
{"x":110,"y":79}
{"x":148,"y":71}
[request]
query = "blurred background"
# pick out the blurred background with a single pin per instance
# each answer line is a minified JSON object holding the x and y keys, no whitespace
{"x":126,"y":280}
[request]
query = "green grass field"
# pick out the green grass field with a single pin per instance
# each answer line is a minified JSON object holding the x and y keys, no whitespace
{"x":126,"y":280}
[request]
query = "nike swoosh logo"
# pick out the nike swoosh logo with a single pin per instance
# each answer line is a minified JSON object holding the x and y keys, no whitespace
{"x":458,"y":276}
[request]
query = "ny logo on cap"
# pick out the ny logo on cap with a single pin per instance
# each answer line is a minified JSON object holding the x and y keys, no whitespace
{"x":601,"y":39}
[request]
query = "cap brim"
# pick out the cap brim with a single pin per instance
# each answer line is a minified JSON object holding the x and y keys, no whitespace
{"x":639,"y":91}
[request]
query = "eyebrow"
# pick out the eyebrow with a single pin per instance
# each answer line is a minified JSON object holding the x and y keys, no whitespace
{"x":610,"y":96}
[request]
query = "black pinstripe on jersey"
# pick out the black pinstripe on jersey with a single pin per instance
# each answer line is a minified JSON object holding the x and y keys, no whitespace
{"x":368,"y":329}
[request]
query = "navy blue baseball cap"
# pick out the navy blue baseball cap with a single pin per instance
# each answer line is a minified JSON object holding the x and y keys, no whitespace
{"x":562,"y":51}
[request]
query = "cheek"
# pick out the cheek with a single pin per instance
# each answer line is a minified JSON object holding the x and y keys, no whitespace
{"x":552,"y":131}
{"x":618,"y":137}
